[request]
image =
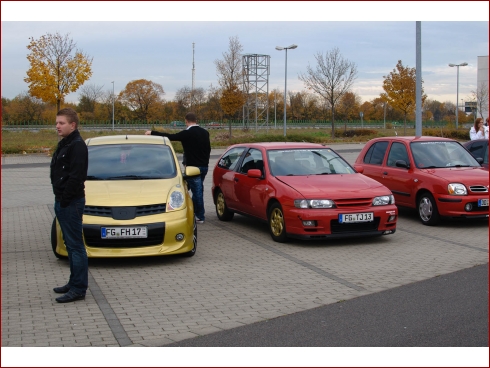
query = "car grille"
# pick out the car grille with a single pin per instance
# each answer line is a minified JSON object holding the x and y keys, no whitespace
{"x":479,"y":189}
{"x":353,"y":202}
{"x":92,"y":236}
{"x":338,"y":228}
{"x":151,"y":209}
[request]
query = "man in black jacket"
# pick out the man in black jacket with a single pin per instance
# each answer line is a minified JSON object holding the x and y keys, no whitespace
{"x":68,"y":174}
{"x":197,"y":149}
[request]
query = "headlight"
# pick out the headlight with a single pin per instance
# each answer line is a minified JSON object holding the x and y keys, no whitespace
{"x":384,"y":200}
{"x":175,"y":200}
{"x":456,"y":189}
{"x":314,"y":203}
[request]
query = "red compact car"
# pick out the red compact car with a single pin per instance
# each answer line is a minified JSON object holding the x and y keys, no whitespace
{"x":437,"y":176}
{"x":302,"y":190}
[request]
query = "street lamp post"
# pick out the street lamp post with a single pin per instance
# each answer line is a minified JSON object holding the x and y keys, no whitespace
{"x":279,"y":48}
{"x":361,"y":114}
{"x":457,"y":88}
{"x":113,"y":105}
{"x":384,"y":116}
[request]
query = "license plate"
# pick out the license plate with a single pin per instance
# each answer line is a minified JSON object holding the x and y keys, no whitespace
{"x":356,"y":217}
{"x":483,"y":202}
{"x":124,"y":232}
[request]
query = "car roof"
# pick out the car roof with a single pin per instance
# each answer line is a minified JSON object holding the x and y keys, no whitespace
{"x":128,"y":139}
{"x":423,"y":138}
{"x":280,"y":145}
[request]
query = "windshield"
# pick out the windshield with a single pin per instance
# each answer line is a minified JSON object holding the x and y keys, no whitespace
{"x":307,"y":162}
{"x":130,"y":162}
{"x":441,"y":154}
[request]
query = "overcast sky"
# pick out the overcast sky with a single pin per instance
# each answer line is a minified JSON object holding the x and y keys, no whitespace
{"x":153,"y":40}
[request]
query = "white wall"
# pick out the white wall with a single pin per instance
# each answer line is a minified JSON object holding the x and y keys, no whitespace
{"x":482,"y":77}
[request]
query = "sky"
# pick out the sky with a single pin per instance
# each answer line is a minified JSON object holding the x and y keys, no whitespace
{"x":154,"y":40}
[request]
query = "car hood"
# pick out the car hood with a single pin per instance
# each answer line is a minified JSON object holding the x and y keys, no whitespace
{"x":467,"y":175}
{"x":335,"y":186}
{"x":128,"y":192}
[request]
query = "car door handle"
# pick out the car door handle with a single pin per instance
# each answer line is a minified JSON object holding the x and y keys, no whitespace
{"x":385,"y":173}
{"x":236,"y":179}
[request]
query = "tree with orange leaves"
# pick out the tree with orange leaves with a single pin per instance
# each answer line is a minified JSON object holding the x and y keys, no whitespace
{"x":57,"y":68}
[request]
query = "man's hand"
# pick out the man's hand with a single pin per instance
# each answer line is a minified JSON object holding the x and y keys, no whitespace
{"x":148,"y":132}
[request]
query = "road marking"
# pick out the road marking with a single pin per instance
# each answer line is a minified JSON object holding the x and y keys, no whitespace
{"x":442,"y":240}
{"x":291,"y":258}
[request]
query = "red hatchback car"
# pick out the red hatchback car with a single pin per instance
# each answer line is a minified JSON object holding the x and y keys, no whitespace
{"x":302,"y":190}
{"x":437,"y":176}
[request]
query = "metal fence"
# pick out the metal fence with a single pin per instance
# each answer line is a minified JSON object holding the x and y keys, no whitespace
{"x":235,"y":124}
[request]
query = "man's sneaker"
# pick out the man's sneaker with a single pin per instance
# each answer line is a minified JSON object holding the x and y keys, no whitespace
{"x":199,"y":221}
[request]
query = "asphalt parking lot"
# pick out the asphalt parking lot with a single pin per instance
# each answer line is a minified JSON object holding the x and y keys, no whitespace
{"x":239,"y":276}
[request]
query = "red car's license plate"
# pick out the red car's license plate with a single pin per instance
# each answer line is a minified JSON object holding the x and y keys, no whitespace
{"x":356,"y":217}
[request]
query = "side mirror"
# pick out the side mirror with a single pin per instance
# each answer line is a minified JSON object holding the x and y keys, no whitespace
{"x":402,"y":163}
{"x":191,"y":171}
{"x":359,"y":169}
{"x":254,"y":173}
{"x":480,"y":160}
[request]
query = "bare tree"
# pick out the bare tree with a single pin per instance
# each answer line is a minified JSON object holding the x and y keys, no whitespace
{"x":183,"y":97}
{"x":332,"y":77}
{"x":230,"y":78}
{"x":90,"y":95}
{"x":481,"y":98}
{"x":187,"y":99}
{"x":229,"y":70}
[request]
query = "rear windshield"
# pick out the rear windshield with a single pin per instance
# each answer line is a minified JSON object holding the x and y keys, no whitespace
{"x":130,"y":162}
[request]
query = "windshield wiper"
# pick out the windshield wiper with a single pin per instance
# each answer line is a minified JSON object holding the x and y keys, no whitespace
{"x":323,"y":173}
{"x":132,"y":177}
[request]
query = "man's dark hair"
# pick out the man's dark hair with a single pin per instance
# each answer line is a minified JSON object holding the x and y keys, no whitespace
{"x":190,"y":116}
{"x":70,"y":114}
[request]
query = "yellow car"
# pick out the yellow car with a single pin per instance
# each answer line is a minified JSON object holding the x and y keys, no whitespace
{"x":137,"y":200}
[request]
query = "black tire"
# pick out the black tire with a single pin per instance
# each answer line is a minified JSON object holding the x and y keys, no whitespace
{"x":222,"y":211}
{"x":54,"y":240}
{"x":427,"y":209}
{"x":277,"y":225}
{"x":193,"y":251}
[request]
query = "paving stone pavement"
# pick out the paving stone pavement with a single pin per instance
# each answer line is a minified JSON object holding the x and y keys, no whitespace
{"x":239,"y":275}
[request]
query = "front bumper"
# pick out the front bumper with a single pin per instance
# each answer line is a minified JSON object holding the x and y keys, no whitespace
{"x":161,"y":237}
{"x":328,"y":226}
{"x":454,"y":206}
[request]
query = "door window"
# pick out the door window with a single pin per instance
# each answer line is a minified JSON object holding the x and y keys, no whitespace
{"x":230,"y":158}
{"x":398,"y":151}
{"x":376,"y":153}
{"x":253,"y":160}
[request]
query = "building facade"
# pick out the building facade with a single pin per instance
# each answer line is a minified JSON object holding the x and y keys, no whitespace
{"x":482,"y":85}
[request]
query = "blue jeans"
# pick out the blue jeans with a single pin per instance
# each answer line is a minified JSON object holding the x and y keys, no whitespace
{"x":70,"y":219}
{"x":196,"y":186}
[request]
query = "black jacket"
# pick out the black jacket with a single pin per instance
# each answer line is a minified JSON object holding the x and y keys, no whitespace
{"x":195,"y":142}
{"x":69,"y":169}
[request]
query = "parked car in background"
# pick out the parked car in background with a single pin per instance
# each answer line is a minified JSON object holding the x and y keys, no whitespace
{"x":177,"y":124}
{"x":137,"y":202}
{"x":437,"y":176}
{"x":213,"y":125}
{"x":479,"y":149}
{"x":302,"y":190}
